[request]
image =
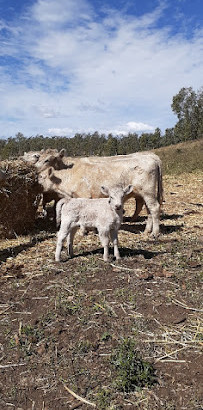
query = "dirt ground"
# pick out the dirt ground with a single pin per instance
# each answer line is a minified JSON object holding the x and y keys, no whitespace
{"x":61,"y":322}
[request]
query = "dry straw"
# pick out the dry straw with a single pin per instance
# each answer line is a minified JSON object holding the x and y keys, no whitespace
{"x":19,"y":198}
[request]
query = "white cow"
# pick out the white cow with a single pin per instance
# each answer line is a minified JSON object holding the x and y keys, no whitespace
{"x":104,"y":214}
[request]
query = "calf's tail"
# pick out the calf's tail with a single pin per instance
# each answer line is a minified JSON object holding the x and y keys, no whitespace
{"x":59,"y":207}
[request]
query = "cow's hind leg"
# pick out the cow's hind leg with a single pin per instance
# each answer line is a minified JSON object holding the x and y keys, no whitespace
{"x":153,"y":209}
{"x":149,"y":224}
{"x":139,"y":201}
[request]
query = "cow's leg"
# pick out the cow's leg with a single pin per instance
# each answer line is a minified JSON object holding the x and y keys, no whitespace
{"x":114,"y":239}
{"x":62,"y":234}
{"x":139,"y":201}
{"x":153,"y":209}
{"x":70,"y":239}
{"x":149,"y":224}
{"x":44,"y":201}
{"x":104,"y":238}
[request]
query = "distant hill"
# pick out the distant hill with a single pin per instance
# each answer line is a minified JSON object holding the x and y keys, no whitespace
{"x":182,"y":157}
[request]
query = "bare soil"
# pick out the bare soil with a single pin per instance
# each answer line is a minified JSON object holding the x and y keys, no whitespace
{"x":61,"y":322}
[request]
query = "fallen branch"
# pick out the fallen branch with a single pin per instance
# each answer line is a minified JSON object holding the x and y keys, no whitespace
{"x":173,"y":361}
{"x":187,"y":343}
{"x":78,"y":397}
{"x":169,"y":354}
{"x":3,"y":311}
{"x":183,"y":305}
{"x":5,"y":366}
{"x":122,"y":267}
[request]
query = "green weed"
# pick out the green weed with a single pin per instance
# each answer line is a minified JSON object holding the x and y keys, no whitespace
{"x":132,"y":371}
{"x":103,"y":399}
{"x":66,"y":306}
{"x":105,"y":336}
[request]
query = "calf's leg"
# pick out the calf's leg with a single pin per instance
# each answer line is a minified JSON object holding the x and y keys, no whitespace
{"x":70,"y":238}
{"x":104,"y":238}
{"x":114,"y":239}
{"x":62,"y":234}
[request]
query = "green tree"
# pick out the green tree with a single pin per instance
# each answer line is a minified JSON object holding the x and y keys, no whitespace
{"x":154,"y":140}
{"x":188,"y":107}
{"x":168,"y":138}
{"x":128,"y":144}
{"x":144,"y":141}
{"x":111,"y":146}
{"x":200,"y":112}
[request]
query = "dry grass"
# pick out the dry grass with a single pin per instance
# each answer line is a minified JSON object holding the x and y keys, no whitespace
{"x":184,"y":157}
{"x":18,"y":201}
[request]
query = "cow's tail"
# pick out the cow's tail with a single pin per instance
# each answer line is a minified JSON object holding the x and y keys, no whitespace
{"x":160,"y":184}
{"x":59,"y":207}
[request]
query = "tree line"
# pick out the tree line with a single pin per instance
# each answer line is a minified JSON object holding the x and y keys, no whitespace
{"x":187,"y":105}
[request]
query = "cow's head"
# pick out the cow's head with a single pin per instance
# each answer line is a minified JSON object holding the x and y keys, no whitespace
{"x":32,"y":157}
{"x":51,"y":158}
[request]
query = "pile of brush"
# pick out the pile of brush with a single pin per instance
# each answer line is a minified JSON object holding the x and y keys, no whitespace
{"x":19,"y":198}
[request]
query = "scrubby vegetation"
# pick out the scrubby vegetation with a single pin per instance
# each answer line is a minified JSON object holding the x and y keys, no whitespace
{"x":183,"y":157}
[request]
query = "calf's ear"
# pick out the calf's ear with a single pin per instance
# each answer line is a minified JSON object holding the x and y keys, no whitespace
{"x":104,"y":190}
{"x":128,"y":189}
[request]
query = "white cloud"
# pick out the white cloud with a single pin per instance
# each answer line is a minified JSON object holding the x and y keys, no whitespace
{"x":60,"y":12}
{"x":60,"y":131}
{"x":120,"y":130}
{"x":131,"y":127}
{"x":72,"y":70}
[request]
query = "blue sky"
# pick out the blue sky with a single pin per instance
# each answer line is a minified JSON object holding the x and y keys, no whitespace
{"x":70,"y":66}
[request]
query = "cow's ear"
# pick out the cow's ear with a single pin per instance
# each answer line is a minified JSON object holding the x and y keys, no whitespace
{"x":50,"y":171}
{"x":128,"y":189}
{"x":104,"y":190}
{"x":62,"y":153}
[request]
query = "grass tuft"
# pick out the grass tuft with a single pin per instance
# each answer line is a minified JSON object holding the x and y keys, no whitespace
{"x":132,"y":371}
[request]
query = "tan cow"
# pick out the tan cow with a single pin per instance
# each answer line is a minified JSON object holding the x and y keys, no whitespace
{"x":84,"y":179}
{"x":57,"y":160}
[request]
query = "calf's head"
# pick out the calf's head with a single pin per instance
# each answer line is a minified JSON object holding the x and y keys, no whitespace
{"x":116,"y":195}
